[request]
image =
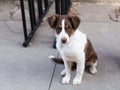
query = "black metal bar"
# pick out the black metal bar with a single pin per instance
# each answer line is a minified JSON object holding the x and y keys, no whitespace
{"x":40,"y":8}
{"x":69,"y":2}
{"x":33,"y":9}
{"x":23,"y":19}
{"x":46,"y":4}
{"x":32,"y":13}
{"x":67,"y":6}
{"x":32,"y":19}
{"x":63,"y":7}
{"x":57,"y":7}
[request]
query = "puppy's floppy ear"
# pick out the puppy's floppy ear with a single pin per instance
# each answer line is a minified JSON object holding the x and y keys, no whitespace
{"x":52,"y":21}
{"x":75,"y":21}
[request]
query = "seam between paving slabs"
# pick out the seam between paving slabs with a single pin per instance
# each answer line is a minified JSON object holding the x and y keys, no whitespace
{"x":52,"y":74}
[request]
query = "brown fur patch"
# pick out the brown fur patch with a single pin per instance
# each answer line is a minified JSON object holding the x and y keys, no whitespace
{"x":60,"y":61}
{"x":91,"y":56}
{"x":52,"y":20}
{"x":71,"y":23}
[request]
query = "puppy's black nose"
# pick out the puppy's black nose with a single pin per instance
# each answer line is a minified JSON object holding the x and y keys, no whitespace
{"x":64,"y":40}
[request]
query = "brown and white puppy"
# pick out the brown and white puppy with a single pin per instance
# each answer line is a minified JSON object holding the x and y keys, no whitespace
{"x":73,"y":46}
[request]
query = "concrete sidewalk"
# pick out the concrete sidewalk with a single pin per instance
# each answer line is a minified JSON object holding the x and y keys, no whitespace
{"x":30,"y":69}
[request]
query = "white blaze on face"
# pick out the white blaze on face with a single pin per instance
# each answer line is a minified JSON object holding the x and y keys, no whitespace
{"x":63,"y":25}
{"x":63,"y":36}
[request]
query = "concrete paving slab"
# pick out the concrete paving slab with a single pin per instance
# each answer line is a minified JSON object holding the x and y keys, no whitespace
{"x":5,"y":8}
{"x":25,"y":68}
{"x":96,"y":12}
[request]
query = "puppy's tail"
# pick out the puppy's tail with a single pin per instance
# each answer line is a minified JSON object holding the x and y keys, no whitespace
{"x":55,"y":59}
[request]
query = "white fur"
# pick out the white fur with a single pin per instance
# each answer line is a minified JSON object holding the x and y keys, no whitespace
{"x":93,"y":69}
{"x":51,"y":57}
{"x":63,"y":73}
{"x":72,"y":51}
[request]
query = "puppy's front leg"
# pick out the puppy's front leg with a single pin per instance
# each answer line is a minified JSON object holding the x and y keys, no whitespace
{"x":67,"y":77}
{"x":79,"y":72}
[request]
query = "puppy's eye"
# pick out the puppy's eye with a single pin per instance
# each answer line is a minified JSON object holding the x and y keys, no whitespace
{"x":66,"y":26}
{"x":58,"y":30}
{"x":60,"y":26}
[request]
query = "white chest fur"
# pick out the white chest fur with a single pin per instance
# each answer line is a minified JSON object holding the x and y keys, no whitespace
{"x":74,"y":49}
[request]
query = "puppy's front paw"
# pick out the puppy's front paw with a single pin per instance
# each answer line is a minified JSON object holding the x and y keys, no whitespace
{"x":65,"y":80}
{"x":76,"y":81}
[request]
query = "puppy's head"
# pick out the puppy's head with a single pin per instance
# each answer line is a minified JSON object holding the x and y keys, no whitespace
{"x":64,"y":26}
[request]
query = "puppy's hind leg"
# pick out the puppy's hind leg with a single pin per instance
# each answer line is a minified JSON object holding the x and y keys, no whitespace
{"x":93,"y":68}
{"x":92,"y":62}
